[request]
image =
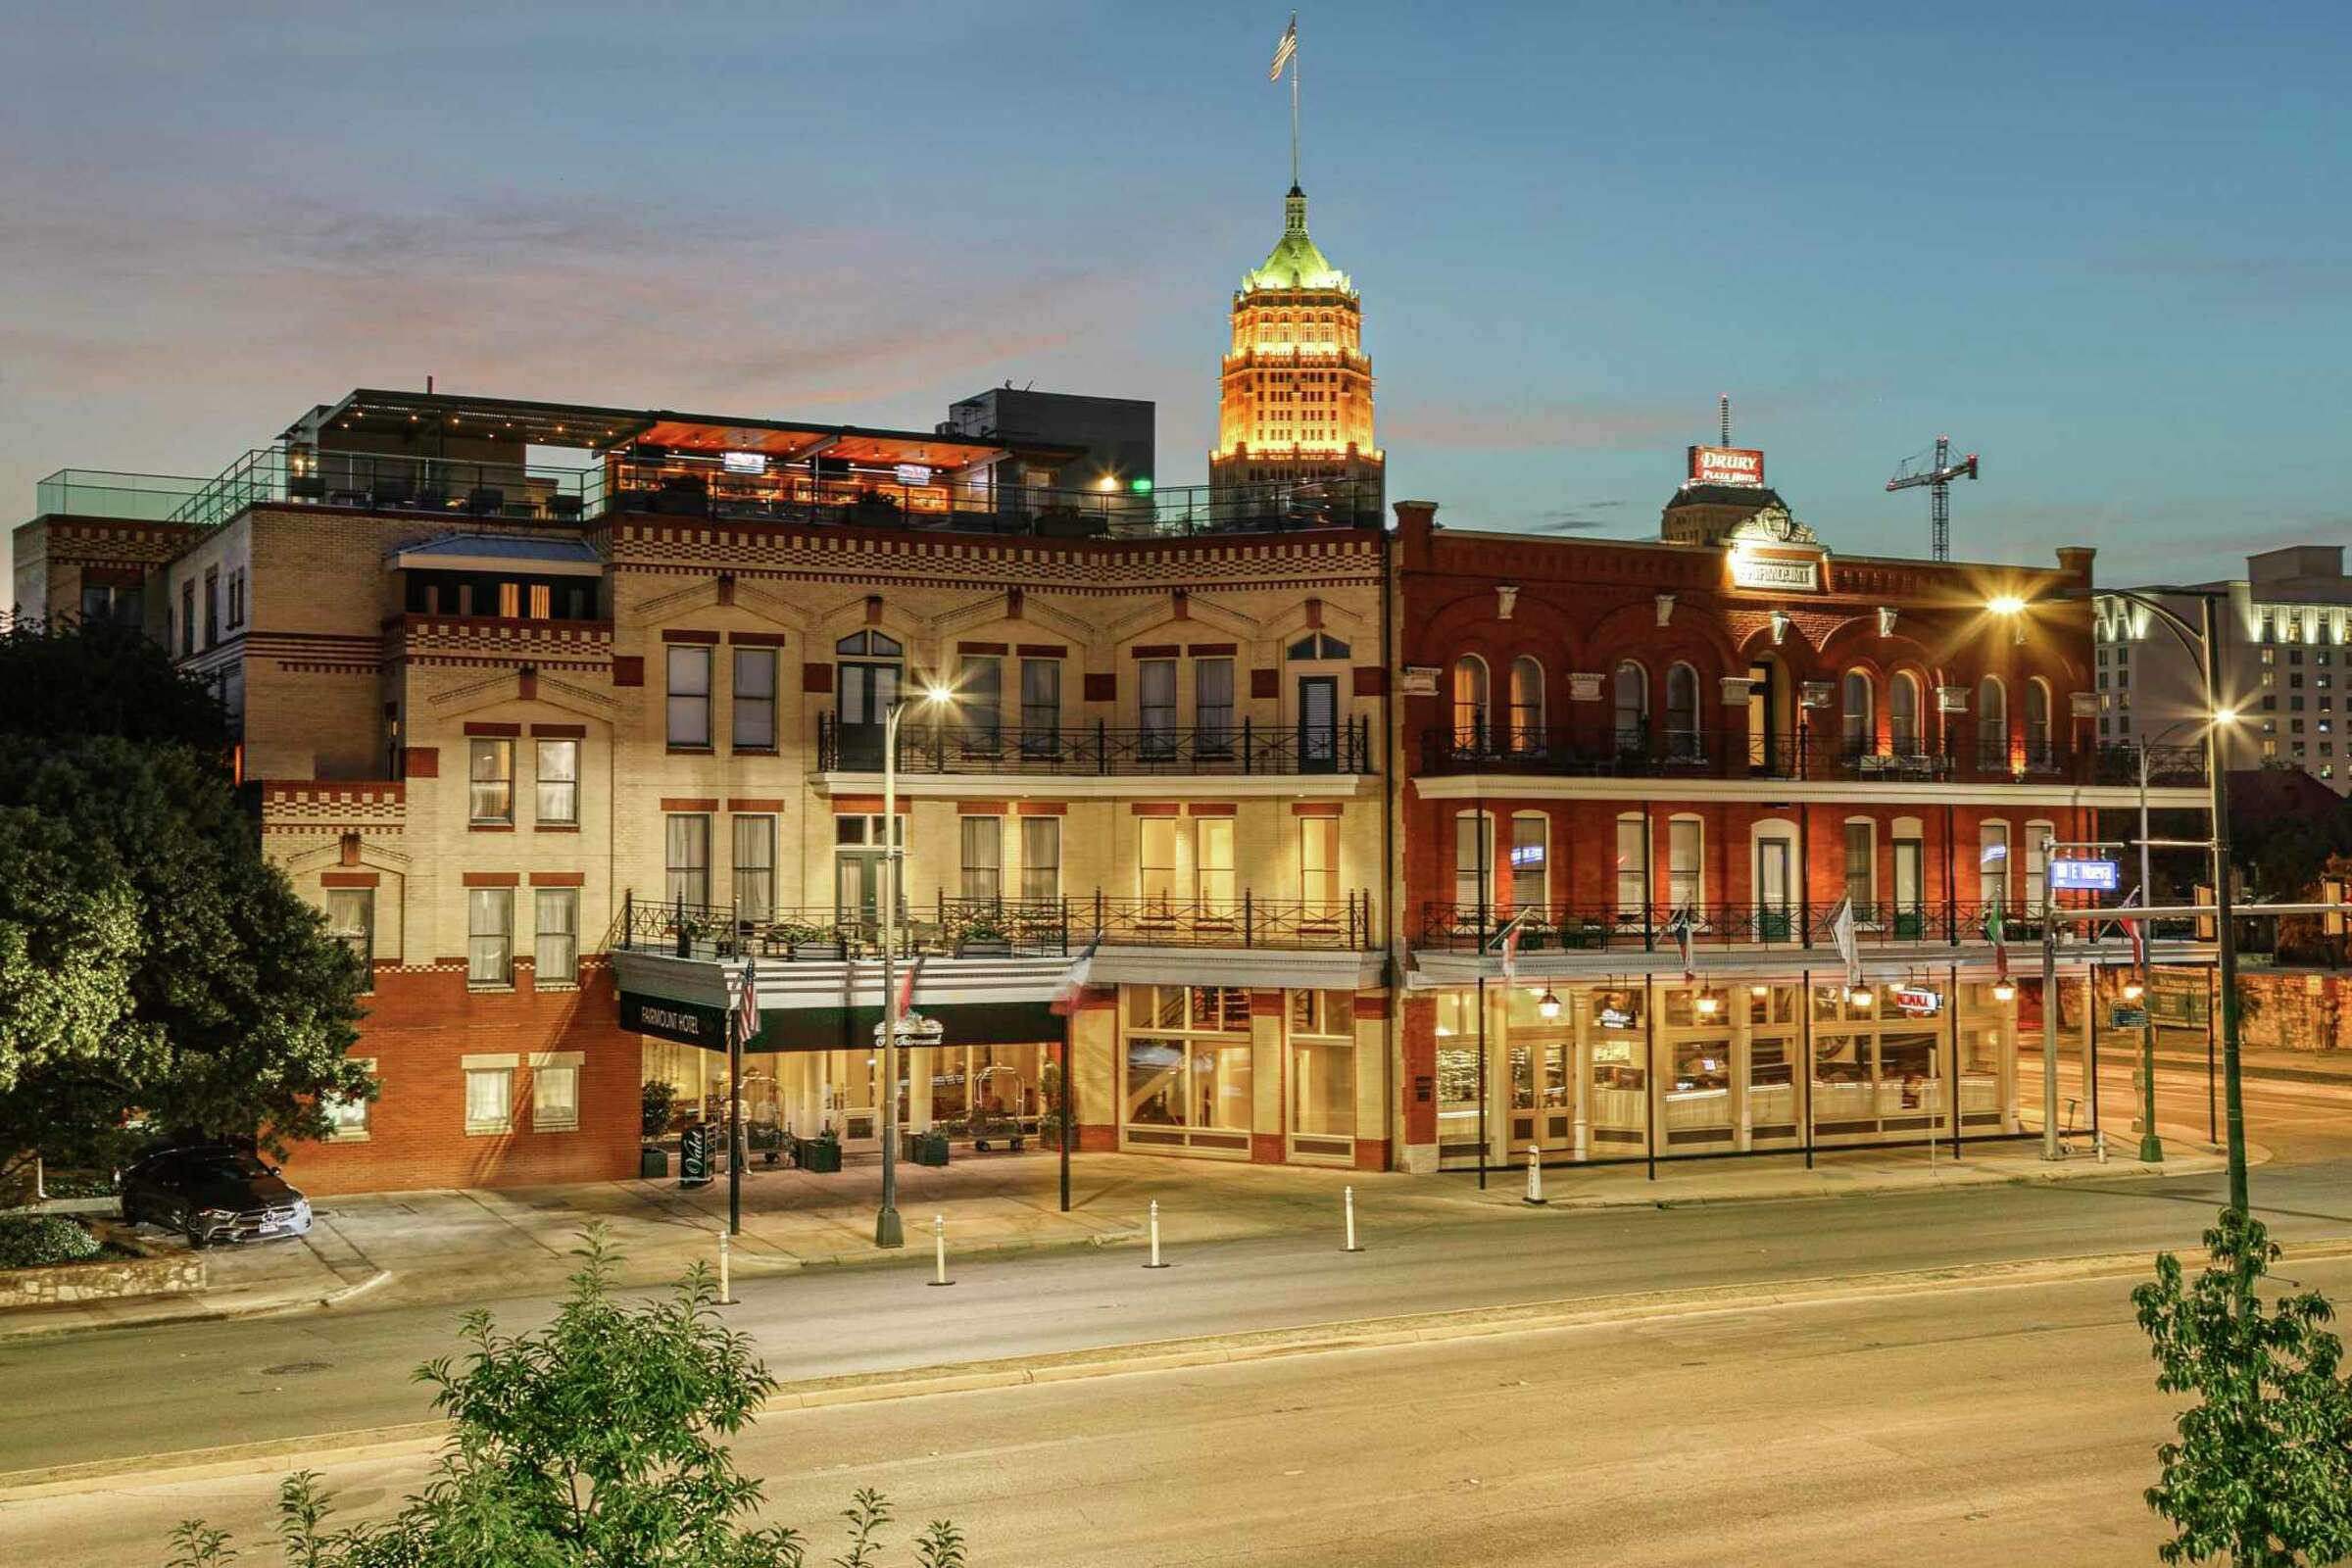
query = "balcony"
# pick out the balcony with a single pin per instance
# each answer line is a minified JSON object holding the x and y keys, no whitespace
{"x":1601,"y":928}
{"x":1246,"y":749}
{"x":1802,"y":755}
{"x":687,"y":485}
{"x":963,"y":928}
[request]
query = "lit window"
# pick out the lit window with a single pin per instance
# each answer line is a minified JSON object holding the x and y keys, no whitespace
{"x":556,"y":937}
{"x":560,"y":782}
{"x":489,"y":1100}
{"x":555,"y":1096}
{"x":491,"y":781}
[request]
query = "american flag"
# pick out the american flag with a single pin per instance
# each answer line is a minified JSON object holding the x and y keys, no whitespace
{"x":747,"y":1005}
{"x":1286,"y":50}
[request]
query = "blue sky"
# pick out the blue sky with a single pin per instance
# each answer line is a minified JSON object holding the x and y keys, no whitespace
{"x":2104,"y":245}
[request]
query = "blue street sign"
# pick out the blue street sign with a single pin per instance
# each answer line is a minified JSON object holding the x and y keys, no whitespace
{"x":2083,"y":877}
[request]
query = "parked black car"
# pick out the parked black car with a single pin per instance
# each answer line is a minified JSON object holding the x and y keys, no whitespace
{"x":212,"y":1193}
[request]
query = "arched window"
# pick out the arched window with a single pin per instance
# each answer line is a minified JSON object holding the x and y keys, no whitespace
{"x":1471,"y":725}
{"x":1630,"y":691}
{"x":1902,"y":715}
{"x":1527,"y":705}
{"x":1859,"y":721}
{"x":1682,"y":714}
{"x":2037,"y":724}
{"x":1992,"y":724}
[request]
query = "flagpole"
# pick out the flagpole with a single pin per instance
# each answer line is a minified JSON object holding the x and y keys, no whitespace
{"x":735,"y":1117}
{"x":1294,"y":108}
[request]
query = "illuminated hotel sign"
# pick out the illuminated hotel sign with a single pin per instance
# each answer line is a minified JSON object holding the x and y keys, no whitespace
{"x":1801,"y":573}
{"x":1742,"y":465}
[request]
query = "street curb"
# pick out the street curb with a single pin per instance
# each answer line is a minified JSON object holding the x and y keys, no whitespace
{"x":1161,"y":1356}
{"x":305,"y":1301}
{"x":2290,"y":1075}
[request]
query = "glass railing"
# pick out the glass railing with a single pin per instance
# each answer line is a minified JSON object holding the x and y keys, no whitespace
{"x":104,"y":493}
{"x":376,"y":482}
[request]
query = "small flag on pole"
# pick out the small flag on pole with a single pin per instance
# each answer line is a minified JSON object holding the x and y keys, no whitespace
{"x":1679,"y":929}
{"x":1841,"y":932}
{"x":747,"y":1005}
{"x":1073,"y":979}
{"x":2136,"y":931}
{"x":906,"y":986}
{"x":1994,"y":934}
{"x":1286,"y":50}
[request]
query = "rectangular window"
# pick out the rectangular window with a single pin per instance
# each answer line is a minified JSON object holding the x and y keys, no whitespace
{"x":560,"y":782}
{"x":1861,"y":869}
{"x":983,"y":856}
{"x":212,"y":609}
{"x":489,"y":1100}
{"x":1910,"y":875}
{"x":509,"y":601}
{"x":542,"y":600}
{"x":1531,"y":869}
{"x":187,"y":618}
{"x":686,"y":858}
{"x":980,"y":704}
{"x":350,"y":921}
{"x":1633,"y":866}
{"x":556,"y":937}
{"x":1213,"y":855}
{"x":2037,"y":855}
{"x":556,"y":1098}
{"x":491,"y":781}
{"x":1993,"y":863}
{"x":1040,"y":706}
{"x":1212,"y":706}
{"x":490,"y":936}
{"x":755,"y":698}
{"x":1684,"y":889}
{"x":1040,"y":858}
{"x":236,"y":598}
{"x":690,"y":697}
{"x":755,"y":867}
{"x":1155,"y":858}
{"x":347,"y":1119}
{"x":1156,"y":700}
{"x":1473,"y":866}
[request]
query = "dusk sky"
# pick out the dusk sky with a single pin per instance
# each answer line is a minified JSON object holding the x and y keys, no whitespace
{"x":2104,"y":245}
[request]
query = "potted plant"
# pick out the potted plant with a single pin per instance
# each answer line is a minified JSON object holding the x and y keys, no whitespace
{"x":794,"y":934}
{"x":658,"y":1099}
{"x":983,"y":935}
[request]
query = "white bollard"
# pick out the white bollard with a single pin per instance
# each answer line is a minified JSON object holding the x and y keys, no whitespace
{"x":1535,"y":1176}
{"x":1155,"y":1262}
{"x":939,"y":1248}
{"x":726,"y":1291}
{"x":1351,"y":1247}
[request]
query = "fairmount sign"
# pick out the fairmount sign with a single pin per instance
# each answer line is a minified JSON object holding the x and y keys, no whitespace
{"x":1800,"y":572}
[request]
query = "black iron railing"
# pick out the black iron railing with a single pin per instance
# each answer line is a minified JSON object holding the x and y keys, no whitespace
{"x":1802,"y":754}
{"x":968,"y":927}
{"x":1244,"y":747}
{"x":1608,"y":928}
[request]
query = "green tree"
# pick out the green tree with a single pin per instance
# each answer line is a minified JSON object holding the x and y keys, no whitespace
{"x":190,"y":988}
{"x":66,"y":680}
{"x":595,"y":1442}
{"x":2261,"y":1475}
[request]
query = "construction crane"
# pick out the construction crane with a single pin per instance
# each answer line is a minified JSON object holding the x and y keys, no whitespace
{"x":1938,"y":478}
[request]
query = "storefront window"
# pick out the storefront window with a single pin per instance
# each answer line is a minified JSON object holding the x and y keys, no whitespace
{"x":1770,"y":1004}
{"x":1614,"y":1011}
{"x":1175,"y":1083}
{"x":1323,"y":1088}
{"x":1698,"y":1098}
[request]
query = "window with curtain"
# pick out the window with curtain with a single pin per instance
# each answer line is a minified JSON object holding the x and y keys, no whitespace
{"x":556,"y":1098}
{"x":350,"y":921}
{"x":1213,"y":859}
{"x":1630,"y":699}
{"x":1040,"y":706}
{"x":1902,"y":715}
{"x":1682,"y":714}
{"x":689,"y":695}
{"x":1470,"y":703}
{"x":980,"y":702}
{"x":1530,"y":861}
{"x":2037,"y":724}
{"x":489,"y":1100}
{"x":1212,"y":706}
{"x":346,"y":1118}
{"x":1861,"y":868}
{"x":754,"y":700}
{"x":1040,"y":858}
{"x":1473,"y":864}
{"x":1156,"y":704}
{"x":1633,"y":866}
{"x":686,"y":858}
{"x":490,"y":936}
{"x":983,"y":856}
{"x":1319,"y":861}
{"x":490,"y":794}
{"x":1155,"y":858}
{"x":1859,"y":724}
{"x":1684,"y":889}
{"x":1992,"y":723}
{"x":559,"y":782}
{"x":555,"y":936}
{"x":1527,"y":705}
{"x":755,"y":867}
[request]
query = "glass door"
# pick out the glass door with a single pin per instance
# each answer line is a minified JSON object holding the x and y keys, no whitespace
{"x":1776,"y":919}
{"x":867,"y":684}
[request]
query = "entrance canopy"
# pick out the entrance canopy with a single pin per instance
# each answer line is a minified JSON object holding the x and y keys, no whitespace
{"x":838,"y":1006}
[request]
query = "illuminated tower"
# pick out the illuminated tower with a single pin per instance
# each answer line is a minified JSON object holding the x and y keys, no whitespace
{"x":1296,"y":401}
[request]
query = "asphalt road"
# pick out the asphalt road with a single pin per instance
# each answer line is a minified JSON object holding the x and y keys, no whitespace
{"x":1982,"y":1426}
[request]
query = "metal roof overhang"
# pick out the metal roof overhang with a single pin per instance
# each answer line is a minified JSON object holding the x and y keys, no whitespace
{"x":549,"y":424}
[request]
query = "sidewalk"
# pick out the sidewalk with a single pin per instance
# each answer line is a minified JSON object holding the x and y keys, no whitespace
{"x":2266,"y":1061}
{"x":413,"y":1249}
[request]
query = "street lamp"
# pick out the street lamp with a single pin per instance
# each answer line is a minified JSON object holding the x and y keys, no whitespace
{"x":887,"y":1232}
{"x":2151,"y":1148}
{"x":2203,"y":644}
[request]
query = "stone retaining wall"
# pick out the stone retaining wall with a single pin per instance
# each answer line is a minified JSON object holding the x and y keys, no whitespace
{"x":102,"y":1279}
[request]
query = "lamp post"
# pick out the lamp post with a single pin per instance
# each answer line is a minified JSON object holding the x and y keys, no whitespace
{"x":2202,"y":642}
{"x":887,"y":1232}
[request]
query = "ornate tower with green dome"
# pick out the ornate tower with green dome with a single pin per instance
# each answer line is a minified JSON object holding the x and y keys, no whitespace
{"x":1297,"y":397}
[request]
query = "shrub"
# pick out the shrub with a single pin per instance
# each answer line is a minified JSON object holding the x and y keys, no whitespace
{"x":37,"y":1240}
